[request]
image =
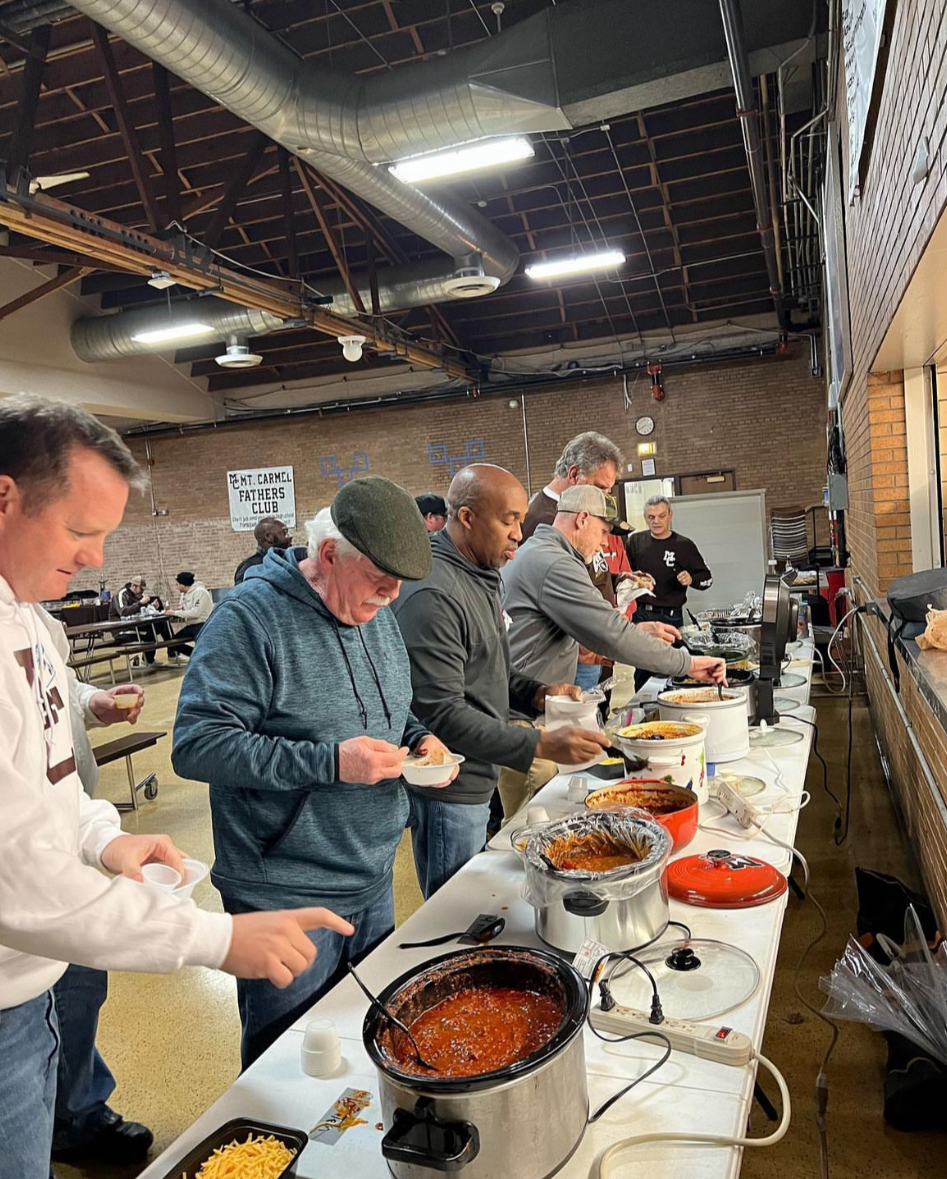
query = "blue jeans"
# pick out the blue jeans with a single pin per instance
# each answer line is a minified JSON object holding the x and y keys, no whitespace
{"x":587,"y":675}
{"x":444,"y":836}
{"x":191,"y":631}
{"x":84,"y":1081}
{"x":29,"y":1045}
{"x":267,"y":1011}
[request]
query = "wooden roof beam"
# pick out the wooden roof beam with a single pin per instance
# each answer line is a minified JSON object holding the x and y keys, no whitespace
{"x":168,"y":157}
{"x":231,"y":194}
{"x":24,"y":121}
{"x":47,"y":288}
{"x":136,"y":159}
{"x":316,"y":205}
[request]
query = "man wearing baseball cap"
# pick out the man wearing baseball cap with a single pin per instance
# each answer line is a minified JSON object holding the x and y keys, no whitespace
{"x":296,"y":708}
{"x":554,"y":607}
{"x":434,"y":510}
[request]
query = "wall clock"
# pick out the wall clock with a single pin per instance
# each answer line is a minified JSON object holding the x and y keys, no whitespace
{"x":645,"y":425}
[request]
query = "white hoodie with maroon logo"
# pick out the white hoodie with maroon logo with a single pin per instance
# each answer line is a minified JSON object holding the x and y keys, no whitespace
{"x":55,"y":908}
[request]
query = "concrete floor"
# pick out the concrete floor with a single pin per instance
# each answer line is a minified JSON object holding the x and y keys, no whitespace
{"x":172,"y":1041}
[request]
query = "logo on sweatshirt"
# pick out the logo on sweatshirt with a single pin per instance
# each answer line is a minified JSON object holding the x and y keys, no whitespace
{"x":669,"y":558}
{"x":41,"y":677}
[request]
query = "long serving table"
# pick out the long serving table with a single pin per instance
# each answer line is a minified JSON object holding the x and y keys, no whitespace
{"x":687,"y":1094}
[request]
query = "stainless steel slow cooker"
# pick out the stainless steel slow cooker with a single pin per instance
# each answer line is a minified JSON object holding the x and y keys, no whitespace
{"x":525,"y":1120}
{"x":623,"y":908}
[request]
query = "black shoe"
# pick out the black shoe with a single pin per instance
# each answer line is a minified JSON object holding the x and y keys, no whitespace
{"x":115,"y":1143}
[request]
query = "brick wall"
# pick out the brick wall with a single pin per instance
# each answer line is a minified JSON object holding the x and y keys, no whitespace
{"x":887,"y":227}
{"x":764,"y":419}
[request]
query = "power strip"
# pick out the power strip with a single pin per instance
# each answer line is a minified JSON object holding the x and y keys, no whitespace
{"x":721,"y":1044}
{"x":742,"y":810}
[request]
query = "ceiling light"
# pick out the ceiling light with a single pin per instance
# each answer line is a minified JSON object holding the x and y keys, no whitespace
{"x":486,"y":153}
{"x":161,"y":280}
{"x":238,"y":356}
{"x":176,"y":331}
{"x":603,"y":260}
{"x":352,"y":347}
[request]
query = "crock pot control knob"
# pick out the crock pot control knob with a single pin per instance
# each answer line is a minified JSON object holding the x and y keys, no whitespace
{"x":421,"y":1139}
{"x":583,"y":904}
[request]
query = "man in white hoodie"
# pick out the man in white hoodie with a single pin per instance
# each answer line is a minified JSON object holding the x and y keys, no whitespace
{"x":64,"y":482}
{"x":193,"y":610}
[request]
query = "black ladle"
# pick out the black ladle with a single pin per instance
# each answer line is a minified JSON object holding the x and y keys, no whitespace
{"x":383,"y":1010}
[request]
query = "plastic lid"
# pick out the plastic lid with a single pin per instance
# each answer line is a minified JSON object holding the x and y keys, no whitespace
{"x":791,"y":679}
{"x":724,"y":880}
{"x":786,"y":704}
{"x":697,"y":979}
{"x":771,"y":736}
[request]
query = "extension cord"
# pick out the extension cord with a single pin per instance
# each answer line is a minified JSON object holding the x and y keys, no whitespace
{"x":720,"y":1044}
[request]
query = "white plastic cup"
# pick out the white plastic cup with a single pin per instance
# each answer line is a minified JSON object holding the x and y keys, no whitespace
{"x":321,"y":1052}
{"x":126,"y":700}
{"x":161,"y":876}
{"x":578,"y":788}
{"x":536,"y":814}
{"x":194,"y":873}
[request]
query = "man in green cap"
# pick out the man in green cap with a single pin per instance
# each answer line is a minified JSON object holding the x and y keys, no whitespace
{"x":296,"y":708}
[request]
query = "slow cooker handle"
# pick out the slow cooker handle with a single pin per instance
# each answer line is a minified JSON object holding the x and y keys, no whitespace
{"x":421,"y":1139}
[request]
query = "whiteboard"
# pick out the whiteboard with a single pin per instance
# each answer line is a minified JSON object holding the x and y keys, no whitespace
{"x":729,"y":528}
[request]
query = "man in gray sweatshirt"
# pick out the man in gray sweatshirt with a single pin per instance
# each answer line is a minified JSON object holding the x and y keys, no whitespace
{"x":554,"y":606}
{"x":454,"y":628}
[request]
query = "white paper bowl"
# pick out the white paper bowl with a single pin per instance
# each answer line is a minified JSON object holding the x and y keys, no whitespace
{"x":417,"y":775}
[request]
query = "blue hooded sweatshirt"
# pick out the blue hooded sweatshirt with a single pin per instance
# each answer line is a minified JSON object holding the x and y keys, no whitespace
{"x":274,"y":685}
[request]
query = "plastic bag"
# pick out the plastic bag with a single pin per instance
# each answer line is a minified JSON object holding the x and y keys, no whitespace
{"x":546,"y":884}
{"x":907,"y":994}
{"x":935,"y":636}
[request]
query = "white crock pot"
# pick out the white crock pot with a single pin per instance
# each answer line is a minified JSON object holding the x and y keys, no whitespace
{"x":681,"y":760}
{"x":728,"y":730}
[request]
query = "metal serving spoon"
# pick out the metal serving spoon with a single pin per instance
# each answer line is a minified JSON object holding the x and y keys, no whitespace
{"x":383,"y":1010}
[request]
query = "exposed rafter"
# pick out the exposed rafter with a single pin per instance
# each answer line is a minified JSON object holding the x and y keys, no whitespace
{"x":24,"y":122}
{"x":44,"y":289}
{"x":169,"y":159}
{"x":327,"y":232}
{"x":230,"y":196}
{"x":136,"y":160}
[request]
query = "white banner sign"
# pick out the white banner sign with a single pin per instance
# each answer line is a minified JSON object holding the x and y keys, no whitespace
{"x":862,"y":22}
{"x":263,"y":491}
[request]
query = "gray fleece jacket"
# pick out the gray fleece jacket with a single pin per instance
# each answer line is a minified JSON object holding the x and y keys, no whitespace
{"x":453,"y":626}
{"x":554,"y":607}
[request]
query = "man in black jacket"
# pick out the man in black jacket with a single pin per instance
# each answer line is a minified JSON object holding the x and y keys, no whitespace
{"x":269,"y":533}
{"x":454,"y":627}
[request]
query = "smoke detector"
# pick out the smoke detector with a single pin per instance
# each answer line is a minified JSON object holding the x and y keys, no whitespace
{"x":469,"y":282}
{"x":238,"y":356}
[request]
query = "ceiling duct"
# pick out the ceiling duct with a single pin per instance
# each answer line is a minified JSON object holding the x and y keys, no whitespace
{"x":107,"y":337}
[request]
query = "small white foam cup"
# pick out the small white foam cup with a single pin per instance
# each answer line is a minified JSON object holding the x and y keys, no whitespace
{"x":537,"y":814}
{"x":578,"y":788}
{"x":161,"y":876}
{"x":321,"y":1052}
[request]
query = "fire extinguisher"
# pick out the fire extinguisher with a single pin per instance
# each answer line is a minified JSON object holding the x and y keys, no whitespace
{"x":655,"y":369}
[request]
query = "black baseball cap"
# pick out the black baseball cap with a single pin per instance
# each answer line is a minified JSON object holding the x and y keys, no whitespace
{"x":431,"y":505}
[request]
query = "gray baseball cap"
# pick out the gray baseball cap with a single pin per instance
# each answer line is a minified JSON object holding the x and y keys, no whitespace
{"x":583,"y":497}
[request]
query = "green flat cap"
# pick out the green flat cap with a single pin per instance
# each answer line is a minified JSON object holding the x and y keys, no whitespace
{"x":383,"y":522}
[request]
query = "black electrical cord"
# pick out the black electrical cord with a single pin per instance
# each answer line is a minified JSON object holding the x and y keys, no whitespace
{"x":825,"y":770}
{"x":607,"y":1105}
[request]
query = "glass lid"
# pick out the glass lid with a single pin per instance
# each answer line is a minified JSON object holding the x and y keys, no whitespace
{"x":698,"y":979}
{"x":772,"y":736}
{"x":745,"y":785}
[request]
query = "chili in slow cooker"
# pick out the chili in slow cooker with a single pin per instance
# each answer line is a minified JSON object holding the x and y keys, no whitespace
{"x":480,"y":1030}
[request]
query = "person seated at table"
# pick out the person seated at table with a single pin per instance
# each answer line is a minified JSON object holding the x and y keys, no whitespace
{"x":129,"y":602}
{"x":193,"y":610}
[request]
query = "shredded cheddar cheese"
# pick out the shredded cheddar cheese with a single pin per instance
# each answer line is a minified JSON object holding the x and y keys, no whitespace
{"x":257,"y":1158}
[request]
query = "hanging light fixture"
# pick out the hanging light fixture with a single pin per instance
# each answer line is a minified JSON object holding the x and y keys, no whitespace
{"x":474,"y":157}
{"x":575,"y":264}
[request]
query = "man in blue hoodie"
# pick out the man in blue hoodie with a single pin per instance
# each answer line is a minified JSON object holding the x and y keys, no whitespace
{"x":296,"y":708}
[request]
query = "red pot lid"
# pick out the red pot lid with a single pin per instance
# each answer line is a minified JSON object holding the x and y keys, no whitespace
{"x":724,"y":880}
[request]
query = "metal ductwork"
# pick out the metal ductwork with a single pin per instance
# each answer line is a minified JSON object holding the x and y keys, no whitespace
{"x":750,"y":119}
{"x":343,"y":125}
{"x":108,"y":337}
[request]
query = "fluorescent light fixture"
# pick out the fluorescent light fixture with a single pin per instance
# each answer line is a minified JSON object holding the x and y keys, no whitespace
{"x":559,"y":267}
{"x":176,"y":331}
{"x":485,"y":153}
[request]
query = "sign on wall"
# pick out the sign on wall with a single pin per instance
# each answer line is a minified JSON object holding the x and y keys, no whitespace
{"x":862,"y":22}
{"x":261,"y":491}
